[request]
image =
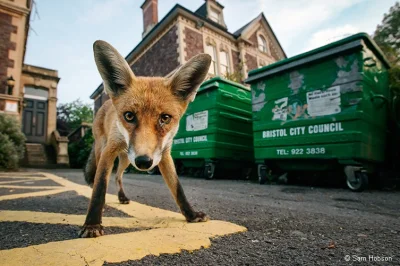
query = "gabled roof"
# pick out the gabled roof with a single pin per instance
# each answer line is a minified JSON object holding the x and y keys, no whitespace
{"x":200,"y":13}
{"x":202,"y":10}
{"x":239,"y":31}
{"x":260,"y":17}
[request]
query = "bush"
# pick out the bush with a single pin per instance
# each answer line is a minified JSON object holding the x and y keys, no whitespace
{"x":79,"y":151}
{"x":12,"y":142}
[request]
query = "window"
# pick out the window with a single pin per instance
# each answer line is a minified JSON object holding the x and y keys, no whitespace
{"x":224,"y":63}
{"x":214,"y":15}
{"x":262,"y":44}
{"x":36,"y":93}
{"x":210,"y":49}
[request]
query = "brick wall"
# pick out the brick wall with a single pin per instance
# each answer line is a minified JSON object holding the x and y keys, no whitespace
{"x":6,"y":28}
{"x":273,"y":53}
{"x":161,"y":58}
{"x":253,"y":39}
{"x":251,"y":62}
{"x":236,"y":61}
{"x":150,"y":15}
{"x":194,"y":43}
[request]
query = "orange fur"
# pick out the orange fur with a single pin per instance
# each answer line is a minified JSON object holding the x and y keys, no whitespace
{"x":155,"y":105}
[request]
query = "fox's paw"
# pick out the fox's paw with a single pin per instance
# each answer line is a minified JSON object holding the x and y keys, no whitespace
{"x":92,"y":230}
{"x":198,"y":217}
{"x":122,"y":198}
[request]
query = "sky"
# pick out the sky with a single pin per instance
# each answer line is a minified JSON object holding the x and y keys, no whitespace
{"x":63,"y":32}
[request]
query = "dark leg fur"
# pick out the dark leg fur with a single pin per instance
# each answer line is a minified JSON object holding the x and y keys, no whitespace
{"x":90,"y":168}
{"x":92,"y":226}
{"x":168,"y":172}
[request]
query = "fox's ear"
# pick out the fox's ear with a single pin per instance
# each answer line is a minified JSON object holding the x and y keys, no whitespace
{"x":113,"y":68}
{"x":189,"y":77}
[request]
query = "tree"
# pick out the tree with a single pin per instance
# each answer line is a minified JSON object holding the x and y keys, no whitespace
{"x":71,"y":115}
{"x":387,"y":36}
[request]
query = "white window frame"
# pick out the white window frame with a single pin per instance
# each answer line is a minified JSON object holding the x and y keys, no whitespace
{"x":228,"y":64}
{"x":214,"y":59}
{"x":212,"y":16}
{"x":262,"y":43}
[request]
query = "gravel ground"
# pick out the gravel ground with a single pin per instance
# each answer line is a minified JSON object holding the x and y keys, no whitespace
{"x":66,"y":202}
{"x":287,"y":225}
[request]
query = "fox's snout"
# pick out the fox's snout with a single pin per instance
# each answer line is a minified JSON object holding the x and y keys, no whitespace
{"x":143,"y":162}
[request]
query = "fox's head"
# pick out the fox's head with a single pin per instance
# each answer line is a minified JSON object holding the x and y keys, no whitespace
{"x":148,"y":108}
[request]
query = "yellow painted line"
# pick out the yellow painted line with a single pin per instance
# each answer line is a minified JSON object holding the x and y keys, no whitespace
{"x":134,"y":209}
{"x":61,"y":218}
{"x":31,"y":187}
{"x":118,"y":248}
{"x":22,"y":181}
{"x":33,"y":194}
{"x":170,"y":233}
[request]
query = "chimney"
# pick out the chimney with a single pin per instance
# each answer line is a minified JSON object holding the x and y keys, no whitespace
{"x":150,"y":15}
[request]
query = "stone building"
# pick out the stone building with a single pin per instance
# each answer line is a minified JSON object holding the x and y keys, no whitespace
{"x":26,"y":91}
{"x":182,"y":34}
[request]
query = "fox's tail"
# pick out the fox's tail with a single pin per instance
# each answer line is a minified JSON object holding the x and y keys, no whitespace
{"x":90,"y":168}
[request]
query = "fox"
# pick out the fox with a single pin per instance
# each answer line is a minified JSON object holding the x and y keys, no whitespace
{"x":137,"y":125}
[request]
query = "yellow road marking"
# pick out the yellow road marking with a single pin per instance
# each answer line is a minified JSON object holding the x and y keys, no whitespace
{"x":115,"y":248}
{"x":33,"y":194}
{"x":21,"y":181}
{"x":61,"y":218}
{"x":134,"y":209}
{"x":33,"y":187}
{"x":170,"y":233}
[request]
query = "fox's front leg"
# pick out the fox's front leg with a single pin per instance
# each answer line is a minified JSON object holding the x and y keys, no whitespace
{"x":168,"y":172}
{"x":92,"y":226}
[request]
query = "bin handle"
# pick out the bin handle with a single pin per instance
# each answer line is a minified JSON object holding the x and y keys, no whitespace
{"x":369,"y":64}
{"x":378,"y":96}
{"x":227,"y":95}
{"x":240,"y":97}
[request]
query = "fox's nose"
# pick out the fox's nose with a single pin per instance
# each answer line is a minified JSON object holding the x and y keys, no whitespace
{"x":143,"y":162}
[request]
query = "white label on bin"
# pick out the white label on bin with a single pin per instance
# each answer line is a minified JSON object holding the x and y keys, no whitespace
{"x":280,"y":109}
{"x":304,"y":130}
{"x":197,"y":121}
{"x":202,"y":138}
{"x":324,"y":102}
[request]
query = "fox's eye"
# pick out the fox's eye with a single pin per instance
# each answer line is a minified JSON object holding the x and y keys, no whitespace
{"x":129,"y":117}
{"x":165,"y":119}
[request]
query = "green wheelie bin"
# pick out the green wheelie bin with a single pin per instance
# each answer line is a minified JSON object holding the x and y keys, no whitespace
{"x":215,"y":135}
{"x":323,"y":109}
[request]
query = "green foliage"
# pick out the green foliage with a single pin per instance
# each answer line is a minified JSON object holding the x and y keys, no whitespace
{"x":394,"y":79}
{"x":71,"y":115}
{"x":387,"y":36}
{"x":235,"y":76}
{"x":79,"y":151}
{"x":12,"y":142}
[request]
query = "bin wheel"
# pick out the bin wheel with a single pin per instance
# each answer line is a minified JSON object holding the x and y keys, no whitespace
{"x":209,"y":171}
{"x":153,"y":171}
{"x":357,"y":181}
{"x":262,"y":174}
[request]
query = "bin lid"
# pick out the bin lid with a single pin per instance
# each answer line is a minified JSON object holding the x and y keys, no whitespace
{"x":215,"y":82}
{"x":348,"y":43}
